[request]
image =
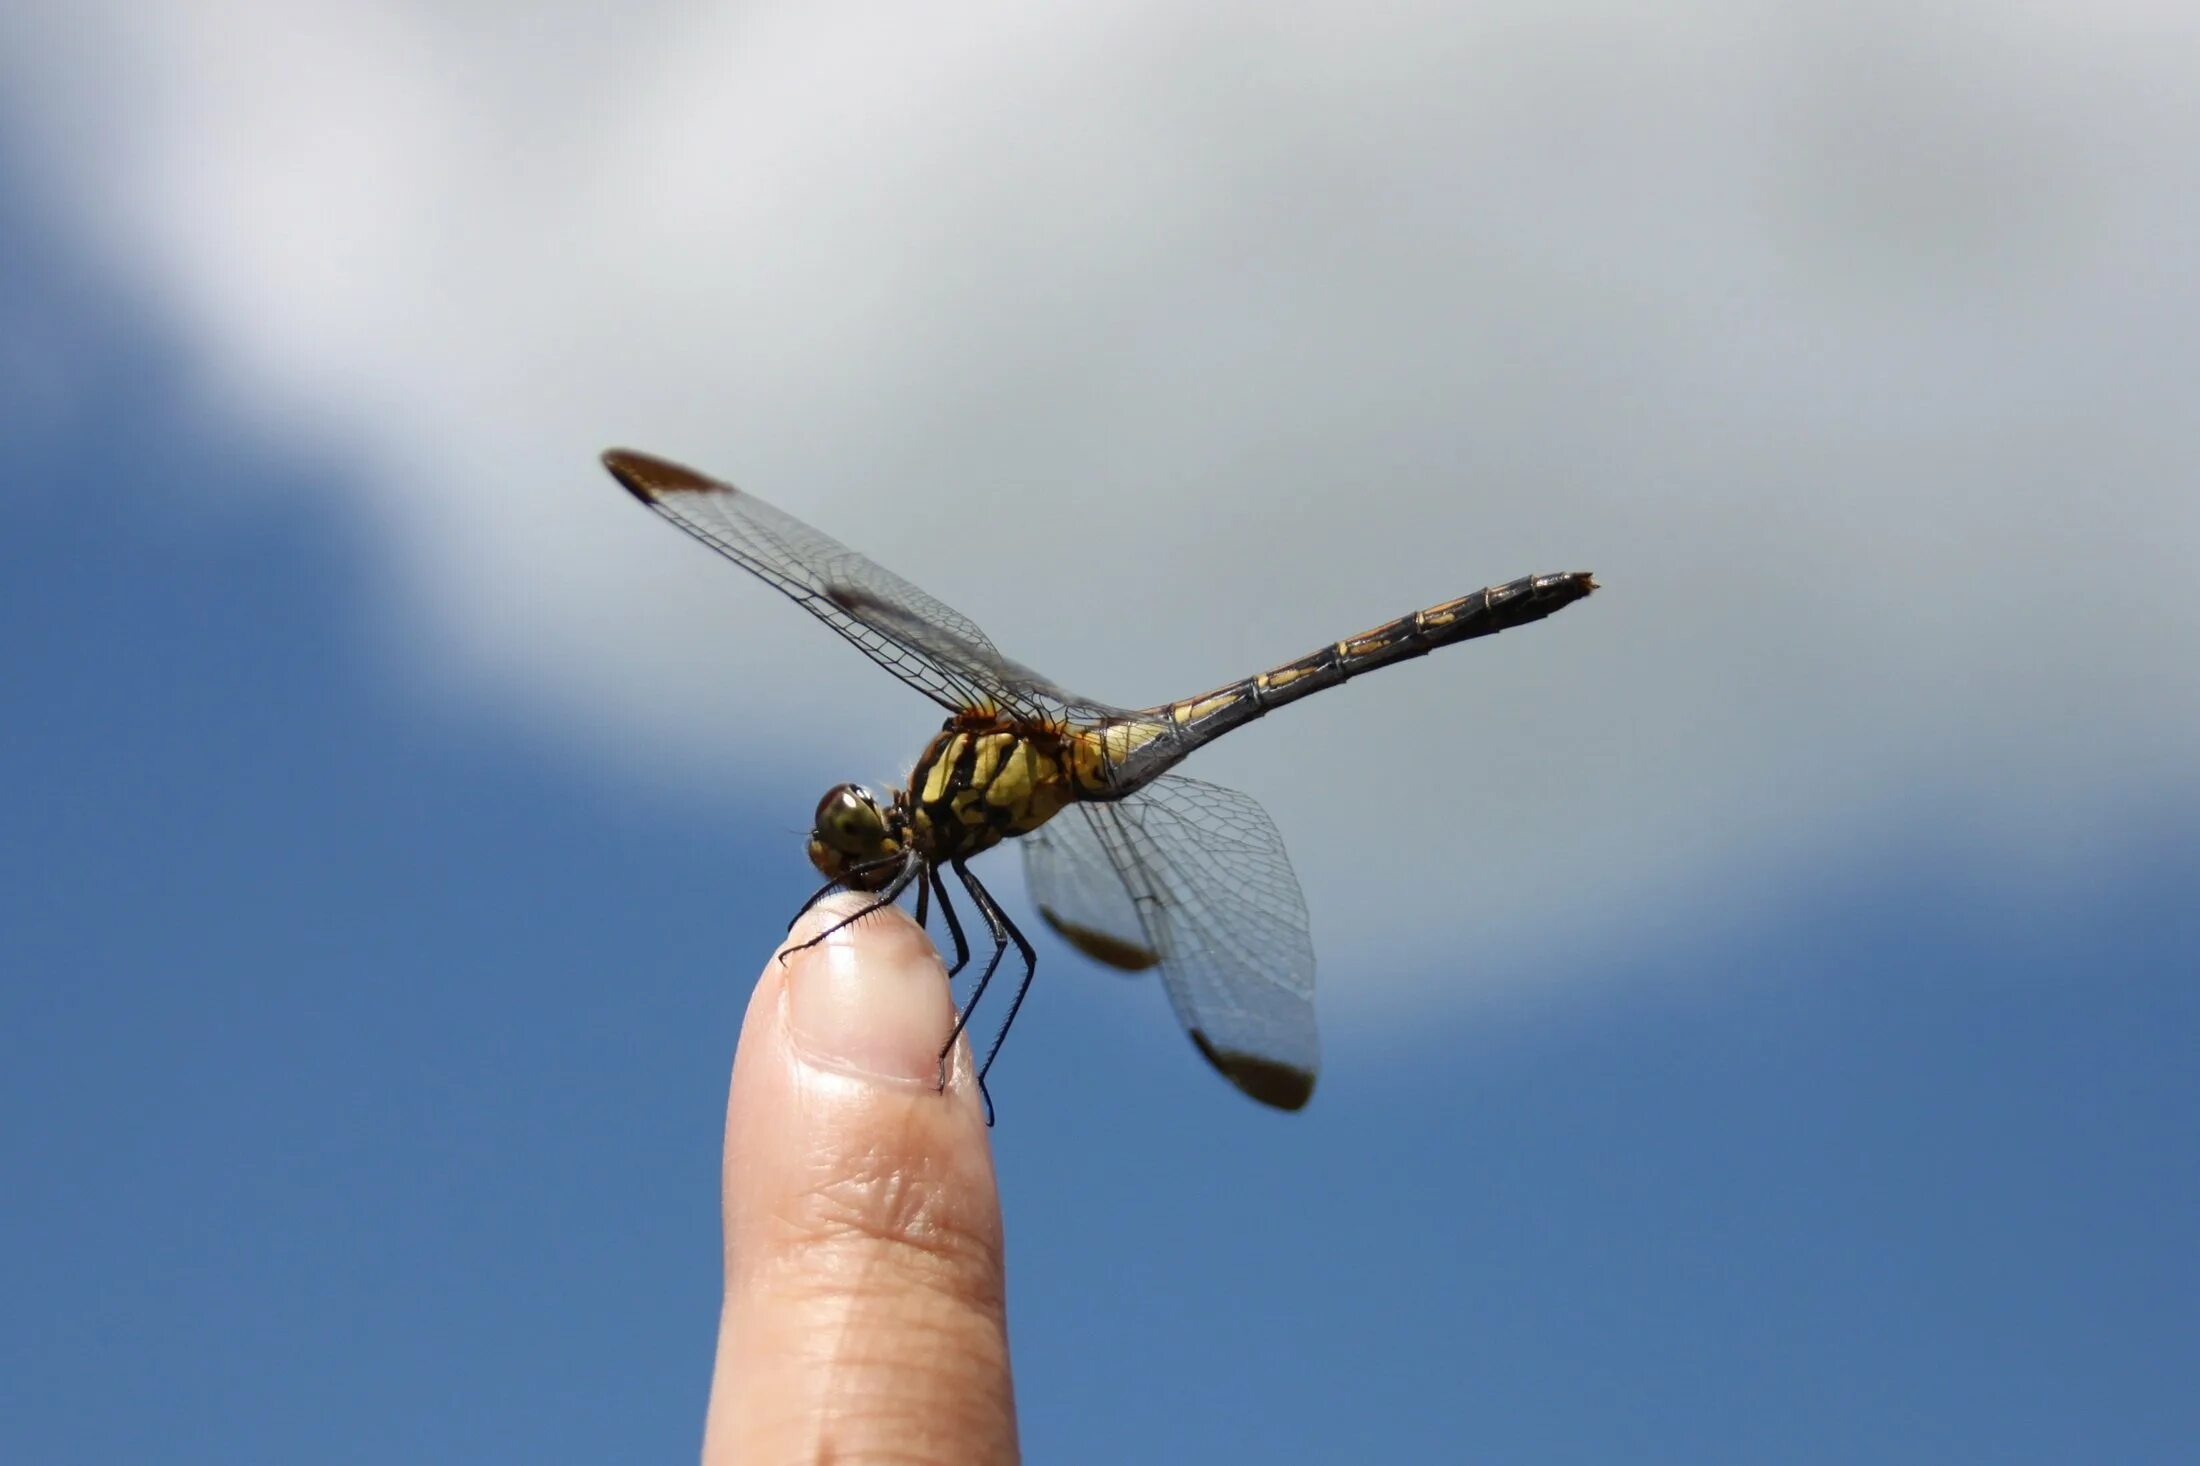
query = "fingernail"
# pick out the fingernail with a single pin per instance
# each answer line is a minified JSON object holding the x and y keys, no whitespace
{"x":871,"y":999}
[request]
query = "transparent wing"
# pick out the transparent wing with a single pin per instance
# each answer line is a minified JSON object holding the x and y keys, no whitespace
{"x":927,"y":644}
{"x":1010,"y":684}
{"x":1193,"y":878}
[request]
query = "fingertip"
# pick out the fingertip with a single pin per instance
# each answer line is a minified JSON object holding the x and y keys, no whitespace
{"x":840,"y":1060}
{"x":860,"y":1202}
{"x":865,"y":995}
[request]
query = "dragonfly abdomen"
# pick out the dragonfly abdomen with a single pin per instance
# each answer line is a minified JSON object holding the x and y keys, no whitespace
{"x":1198,"y":720}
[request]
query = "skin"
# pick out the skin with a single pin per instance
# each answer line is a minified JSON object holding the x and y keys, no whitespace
{"x":864,"y":1315}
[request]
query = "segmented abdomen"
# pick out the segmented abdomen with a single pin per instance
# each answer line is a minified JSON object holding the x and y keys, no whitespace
{"x":1140,"y":750}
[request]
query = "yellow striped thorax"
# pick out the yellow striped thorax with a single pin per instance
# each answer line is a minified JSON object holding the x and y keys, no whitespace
{"x":983,"y":779}
{"x":978,"y":783}
{"x":986,"y":778}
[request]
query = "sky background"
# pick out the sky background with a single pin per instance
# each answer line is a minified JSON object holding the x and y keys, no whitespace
{"x":1759,"y":1004}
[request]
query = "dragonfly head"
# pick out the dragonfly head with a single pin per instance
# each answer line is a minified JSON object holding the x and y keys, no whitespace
{"x":855,"y":830}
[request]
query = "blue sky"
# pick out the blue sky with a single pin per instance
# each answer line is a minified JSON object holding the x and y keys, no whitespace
{"x":1780,"y":1048}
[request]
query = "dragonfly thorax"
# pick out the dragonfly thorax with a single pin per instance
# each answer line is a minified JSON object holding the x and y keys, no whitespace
{"x":979,"y":782}
{"x":986,"y":778}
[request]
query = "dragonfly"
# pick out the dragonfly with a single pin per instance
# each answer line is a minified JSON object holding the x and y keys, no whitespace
{"x":1130,"y":863}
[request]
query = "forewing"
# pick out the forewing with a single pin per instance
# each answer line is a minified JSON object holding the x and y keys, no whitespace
{"x":1193,"y":878}
{"x":926,"y":643}
{"x":1009,"y":684}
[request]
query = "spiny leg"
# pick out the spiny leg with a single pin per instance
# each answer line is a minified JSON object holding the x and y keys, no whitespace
{"x":992,"y":916}
{"x":954,"y":926}
{"x":869,"y":867}
{"x":1023,"y":988}
{"x":887,"y":896}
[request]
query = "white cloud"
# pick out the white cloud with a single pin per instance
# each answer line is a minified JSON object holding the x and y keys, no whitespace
{"x":1853,"y":348}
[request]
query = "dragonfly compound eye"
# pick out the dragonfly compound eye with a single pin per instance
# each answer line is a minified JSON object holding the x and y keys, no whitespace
{"x":850,"y":821}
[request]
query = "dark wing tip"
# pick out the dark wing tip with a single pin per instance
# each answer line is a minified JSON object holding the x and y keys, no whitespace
{"x":1285,"y":1086}
{"x":1101,"y":947}
{"x":650,"y":478}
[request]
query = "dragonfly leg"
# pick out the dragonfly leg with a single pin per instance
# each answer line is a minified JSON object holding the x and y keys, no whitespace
{"x":872,"y":867}
{"x":997,"y":928}
{"x":954,"y":925}
{"x":886,"y":896}
{"x":1004,"y":932}
{"x":1023,"y":989}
